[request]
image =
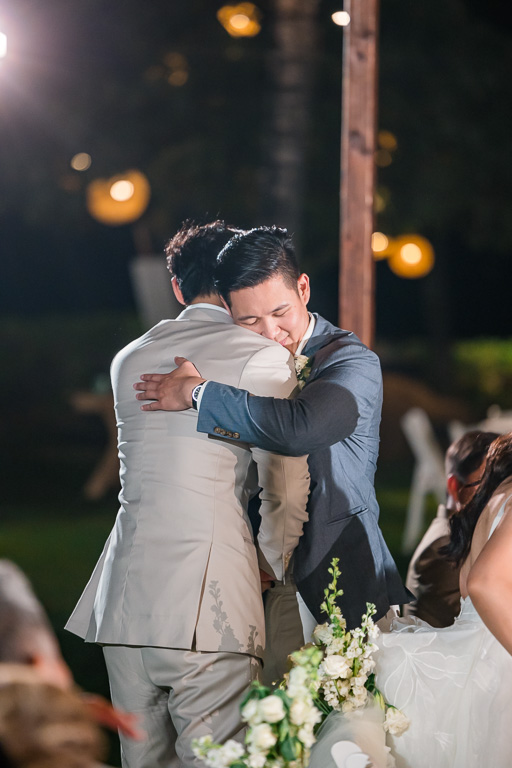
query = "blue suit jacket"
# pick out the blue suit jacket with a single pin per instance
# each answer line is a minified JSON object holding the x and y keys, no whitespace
{"x":335,"y":419}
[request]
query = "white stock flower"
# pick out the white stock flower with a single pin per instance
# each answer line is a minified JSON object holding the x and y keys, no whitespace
{"x":335,"y":666}
{"x":297,"y":682}
{"x":257,"y":760}
{"x":299,"y":711}
{"x":305,"y":734}
{"x":323,"y":633}
{"x":261,"y":738}
{"x":396,"y":722}
{"x":300,"y":363}
{"x":251,"y":713}
{"x":215,"y":758}
{"x":271,"y":709}
{"x":232,"y":750}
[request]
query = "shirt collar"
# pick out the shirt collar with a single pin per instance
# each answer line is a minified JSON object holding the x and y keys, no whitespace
{"x":205,"y":305}
{"x":307,"y":335}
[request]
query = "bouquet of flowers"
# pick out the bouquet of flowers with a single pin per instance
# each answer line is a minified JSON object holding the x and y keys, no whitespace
{"x":281,"y":725}
{"x":333,"y":673}
{"x":345,"y":675}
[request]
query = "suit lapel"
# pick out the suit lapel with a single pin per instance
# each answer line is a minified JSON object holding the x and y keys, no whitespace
{"x":324,"y":333}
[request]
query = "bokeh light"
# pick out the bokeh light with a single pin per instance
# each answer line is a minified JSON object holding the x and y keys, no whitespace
{"x":341,"y":18}
{"x":242,"y":20}
{"x":383,"y":158}
{"x":380,"y":246}
{"x":122,"y":190}
{"x":387,"y":140}
{"x":412,"y":257}
{"x":81,"y":161}
{"x":119,"y":200}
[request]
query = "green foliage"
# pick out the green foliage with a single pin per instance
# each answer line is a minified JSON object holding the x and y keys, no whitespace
{"x":484,"y":370}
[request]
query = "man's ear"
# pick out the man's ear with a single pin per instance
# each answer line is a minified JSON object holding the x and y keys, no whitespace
{"x":303,"y":288}
{"x":177,"y":291}
{"x":226,"y":305}
{"x":453,"y":486}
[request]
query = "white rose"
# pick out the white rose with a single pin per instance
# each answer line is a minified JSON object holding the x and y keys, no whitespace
{"x":251,"y":713}
{"x":297,"y":682}
{"x":323,"y":634}
{"x":271,"y":709}
{"x":335,"y":666}
{"x":261,"y":738}
{"x":396,"y":722}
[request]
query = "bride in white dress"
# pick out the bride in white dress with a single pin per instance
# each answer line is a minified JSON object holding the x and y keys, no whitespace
{"x":455,"y":684}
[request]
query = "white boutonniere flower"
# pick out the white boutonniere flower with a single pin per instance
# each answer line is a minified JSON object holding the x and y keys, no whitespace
{"x":303,"y":365}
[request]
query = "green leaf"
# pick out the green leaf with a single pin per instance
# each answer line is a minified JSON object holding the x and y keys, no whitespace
{"x":289,"y":749}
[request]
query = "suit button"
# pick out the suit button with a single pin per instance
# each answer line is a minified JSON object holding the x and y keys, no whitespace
{"x":228,"y":433}
{"x":222,"y":432}
{"x":217,"y":430}
{"x":236,"y":435}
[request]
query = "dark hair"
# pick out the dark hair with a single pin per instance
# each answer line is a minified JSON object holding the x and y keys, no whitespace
{"x":463,"y":523}
{"x":192,"y":254}
{"x":466,"y":454}
{"x":252,"y":257}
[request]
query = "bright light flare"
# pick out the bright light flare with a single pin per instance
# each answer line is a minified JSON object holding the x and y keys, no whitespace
{"x":81,"y":161}
{"x":411,"y":253}
{"x":341,"y":18}
{"x":122,"y":190}
{"x":3,"y":45}
{"x":380,"y":244}
{"x":412,"y":257}
{"x":242,"y":20}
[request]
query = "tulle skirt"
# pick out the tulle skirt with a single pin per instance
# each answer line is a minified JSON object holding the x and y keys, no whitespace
{"x":455,"y":686}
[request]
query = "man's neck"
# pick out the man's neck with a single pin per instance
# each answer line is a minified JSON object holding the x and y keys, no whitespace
{"x":208,"y":298}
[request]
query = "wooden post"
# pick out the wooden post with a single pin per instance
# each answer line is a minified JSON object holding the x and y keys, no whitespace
{"x":359,"y":119}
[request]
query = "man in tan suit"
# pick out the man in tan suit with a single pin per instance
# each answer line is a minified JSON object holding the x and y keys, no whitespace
{"x":176,"y":596}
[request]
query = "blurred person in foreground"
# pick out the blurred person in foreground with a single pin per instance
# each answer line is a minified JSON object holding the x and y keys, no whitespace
{"x":43,"y":726}
{"x":452,"y":683}
{"x":335,"y":419}
{"x":432,"y":579}
{"x":176,"y":597}
{"x":28,"y":647}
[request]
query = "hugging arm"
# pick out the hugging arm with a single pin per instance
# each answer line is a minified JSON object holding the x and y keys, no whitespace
{"x":326,"y":410}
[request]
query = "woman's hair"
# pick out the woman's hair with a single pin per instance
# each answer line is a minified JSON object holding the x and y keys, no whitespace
{"x":44,"y":727}
{"x":462,"y":524}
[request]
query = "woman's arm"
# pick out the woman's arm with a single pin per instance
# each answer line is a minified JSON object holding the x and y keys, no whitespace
{"x":490,"y":581}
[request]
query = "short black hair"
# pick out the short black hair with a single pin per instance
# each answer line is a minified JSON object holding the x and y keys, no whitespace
{"x":252,"y":257}
{"x":466,"y":454}
{"x":192,"y":256}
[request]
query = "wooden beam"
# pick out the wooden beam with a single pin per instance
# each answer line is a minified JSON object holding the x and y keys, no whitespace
{"x":359,"y":120}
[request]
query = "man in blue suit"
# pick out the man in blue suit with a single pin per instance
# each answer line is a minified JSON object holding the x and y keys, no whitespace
{"x":334,"y":418}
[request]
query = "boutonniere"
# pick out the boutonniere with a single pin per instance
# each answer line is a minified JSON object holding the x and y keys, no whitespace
{"x":303,"y":365}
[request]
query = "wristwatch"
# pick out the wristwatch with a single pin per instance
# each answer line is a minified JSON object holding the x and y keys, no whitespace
{"x":195,"y":394}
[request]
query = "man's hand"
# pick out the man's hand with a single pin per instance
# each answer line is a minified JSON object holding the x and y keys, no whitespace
{"x":267,"y":581}
{"x":169,"y":391}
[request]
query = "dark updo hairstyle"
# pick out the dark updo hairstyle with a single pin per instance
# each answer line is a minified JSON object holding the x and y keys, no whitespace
{"x":462,"y":524}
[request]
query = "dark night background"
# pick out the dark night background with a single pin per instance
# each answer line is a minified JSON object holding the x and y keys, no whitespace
{"x":98,"y":77}
{"x":92,"y":77}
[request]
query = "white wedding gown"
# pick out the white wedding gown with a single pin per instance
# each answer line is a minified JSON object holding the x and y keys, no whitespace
{"x":455,"y":686}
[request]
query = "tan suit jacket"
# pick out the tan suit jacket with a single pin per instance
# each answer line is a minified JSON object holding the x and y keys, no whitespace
{"x":180,"y":568}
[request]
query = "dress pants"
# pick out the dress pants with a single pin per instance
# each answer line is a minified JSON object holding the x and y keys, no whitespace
{"x":178,"y":696}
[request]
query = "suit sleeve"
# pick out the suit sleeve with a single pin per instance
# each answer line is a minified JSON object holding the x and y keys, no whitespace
{"x":326,"y":411}
{"x":284,"y":480}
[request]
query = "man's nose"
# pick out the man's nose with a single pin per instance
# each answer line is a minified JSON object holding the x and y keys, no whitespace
{"x":269,"y":329}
